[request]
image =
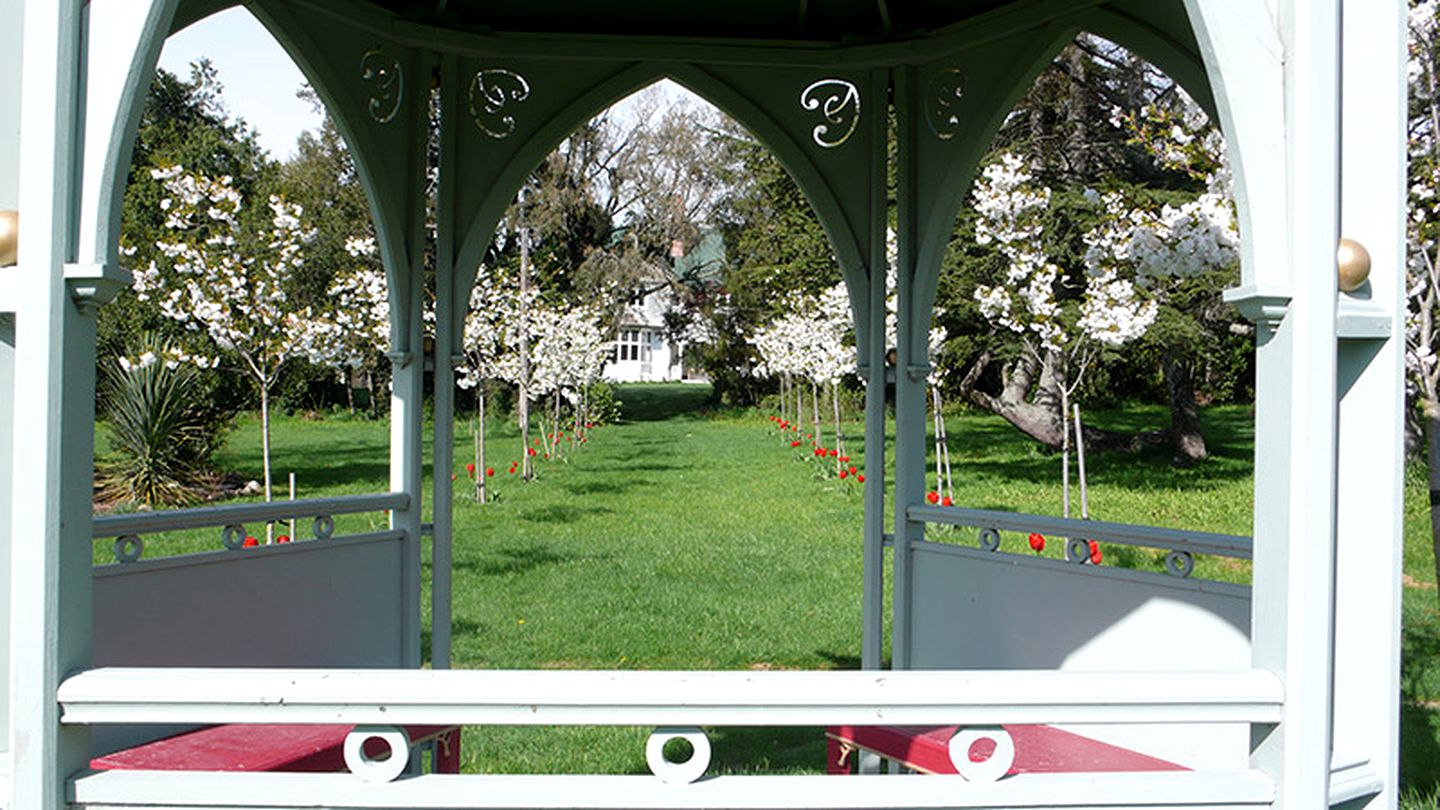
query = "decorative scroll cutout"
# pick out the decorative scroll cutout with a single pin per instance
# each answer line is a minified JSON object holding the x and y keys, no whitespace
{"x":992,"y":767}
{"x":838,"y":101}
{"x":942,"y":102}
{"x":490,"y":92}
{"x":386,"y":79}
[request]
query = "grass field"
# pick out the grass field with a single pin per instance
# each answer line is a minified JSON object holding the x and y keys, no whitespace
{"x":678,"y":539}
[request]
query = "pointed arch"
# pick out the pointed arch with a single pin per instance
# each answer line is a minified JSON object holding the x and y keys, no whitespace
{"x":818,"y":185}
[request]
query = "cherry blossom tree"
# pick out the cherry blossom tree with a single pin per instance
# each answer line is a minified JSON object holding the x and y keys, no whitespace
{"x":1422,"y":328}
{"x":493,"y":313}
{"x":229,"y":280}
{"x":352,"y":333}
{"x":1060,"y":335}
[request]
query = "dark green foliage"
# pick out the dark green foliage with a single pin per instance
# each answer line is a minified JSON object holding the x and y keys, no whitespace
{"x":602,"y":406}
{"x":163,"y":430}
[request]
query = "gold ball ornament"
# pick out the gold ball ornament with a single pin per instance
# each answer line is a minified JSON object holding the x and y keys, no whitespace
{"x":9,"y":238}
{"x":1353,"y":263}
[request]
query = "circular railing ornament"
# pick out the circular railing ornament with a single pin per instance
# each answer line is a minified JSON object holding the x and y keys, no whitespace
{"x":990,"y":769}
{"x":324,"y":527}
{"x":377,"y":769}
{"x":678,"y":773}
{"x":233,"y":536}
{"x":1179,"y":563}
{"x":128,"y":548}
{"x":1077,"y":550}
{"x":990,"y":539}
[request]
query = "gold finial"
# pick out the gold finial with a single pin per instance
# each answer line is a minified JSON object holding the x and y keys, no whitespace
{"x":9,"y":238}
{"x":1353,"y":262}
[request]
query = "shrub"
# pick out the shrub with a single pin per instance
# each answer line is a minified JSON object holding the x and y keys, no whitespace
{"x":163,"y":429}
{"x":602,"y":403}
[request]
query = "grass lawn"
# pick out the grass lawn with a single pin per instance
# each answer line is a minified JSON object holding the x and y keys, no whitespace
{"x":675,"y":539}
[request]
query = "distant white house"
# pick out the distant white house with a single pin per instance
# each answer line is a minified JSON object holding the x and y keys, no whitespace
{"x":644,"y":349}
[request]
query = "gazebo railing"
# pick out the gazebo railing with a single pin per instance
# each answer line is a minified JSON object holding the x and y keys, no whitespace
{"x":1181,"y":544}
{"x":129,"y":530}
{"x":678,"y":704}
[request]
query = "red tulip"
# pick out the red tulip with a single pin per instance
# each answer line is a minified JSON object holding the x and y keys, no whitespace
{"x":1095,"y":555}
{"x":844,"y":473}
{"x":1037,"y":542}
{"x":250,"y":542}
{"x":284,"y":538}
{"x":844,"y":459}
{"x":932,"y":497}
{"x":489,"y":472}
{"x":470,"y":470}
{"x":795,"y":443}
{"x":946,"y":501}
{"x":530,"y":450}
{"x":834,"y":453}
{"x":852,"y":468}
{"x":860,"y":478}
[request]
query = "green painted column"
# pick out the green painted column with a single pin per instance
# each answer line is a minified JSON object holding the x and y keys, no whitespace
{"x":910,"y":365}
{"x":872,"y":368}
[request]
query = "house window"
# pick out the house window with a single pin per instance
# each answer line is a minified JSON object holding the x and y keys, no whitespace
{"x":630,"y":344}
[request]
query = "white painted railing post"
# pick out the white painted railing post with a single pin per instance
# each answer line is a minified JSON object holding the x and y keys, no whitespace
{"x":1370,"y":480}
{"x":49,"y":610}
{"x":1295,"y":430}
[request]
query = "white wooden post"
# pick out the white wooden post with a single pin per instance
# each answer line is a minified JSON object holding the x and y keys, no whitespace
{"x":1295,"y":423}
{"x":1370,"y":480}
{"x":49,"y":607}
{"x":10,"y":70}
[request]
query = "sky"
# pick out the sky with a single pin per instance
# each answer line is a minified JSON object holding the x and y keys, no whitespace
{"x":258,"y":77}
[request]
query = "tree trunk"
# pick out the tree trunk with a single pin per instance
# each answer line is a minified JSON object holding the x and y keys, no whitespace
{"x":1185,"y":436}
{"x":1040,"y":419}
{"x":265,"y":449}
{"x":480,"y":443}
{"x":1432,"y":428}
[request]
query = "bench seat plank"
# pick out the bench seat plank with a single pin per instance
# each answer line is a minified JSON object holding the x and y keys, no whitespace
{"x":266,"y":747}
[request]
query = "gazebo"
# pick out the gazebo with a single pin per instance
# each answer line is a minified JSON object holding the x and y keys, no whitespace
{"x":1283,"y":693}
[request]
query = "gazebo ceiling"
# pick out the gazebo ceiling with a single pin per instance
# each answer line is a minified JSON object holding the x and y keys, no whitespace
{"x":816,"y":20}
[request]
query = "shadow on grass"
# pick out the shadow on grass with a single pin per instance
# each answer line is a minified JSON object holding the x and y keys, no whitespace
{"x":459,"y":628}
{"x":744,"y":750}
{"x":607,"y":487}
{"x":1419,"y":688}
{"x":987,"y":448}
{"x":655,"y":403}
{"x":515,"y":561}
{"x":562,"y":513}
